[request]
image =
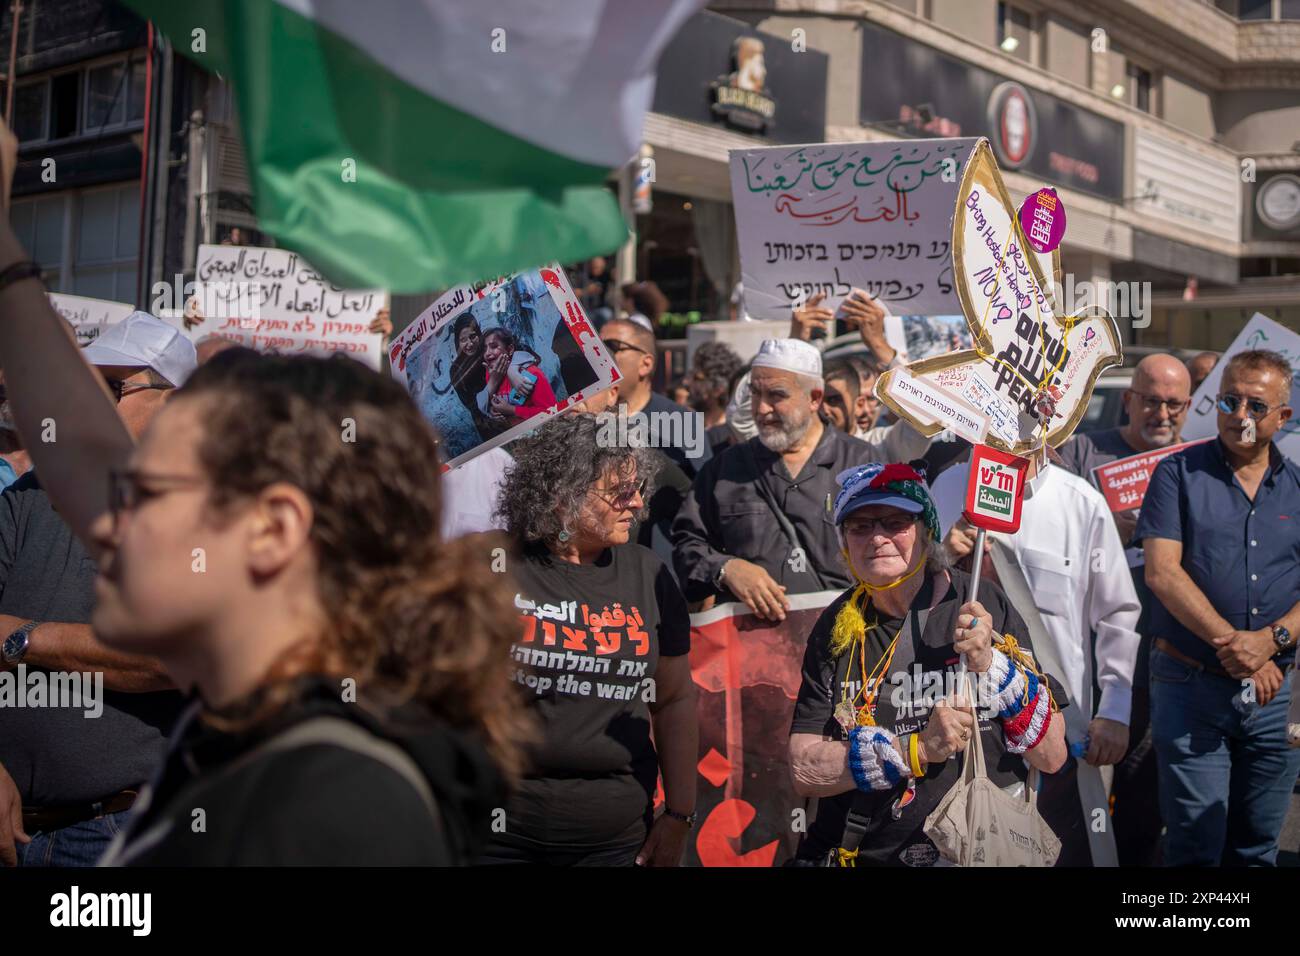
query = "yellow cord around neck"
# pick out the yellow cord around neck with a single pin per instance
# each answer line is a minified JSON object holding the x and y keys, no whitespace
{"x":849,"y":622}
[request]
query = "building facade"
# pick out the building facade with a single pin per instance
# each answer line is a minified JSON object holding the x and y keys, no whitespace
{"x":1171,"y":129}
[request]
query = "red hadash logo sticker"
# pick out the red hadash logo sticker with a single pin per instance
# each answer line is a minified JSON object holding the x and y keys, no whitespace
{"x":995,"y":489}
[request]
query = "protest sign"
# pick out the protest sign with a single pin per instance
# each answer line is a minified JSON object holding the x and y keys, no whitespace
{"x":1031,"y":371}
{"x":89,"y":316}
{"x":1124,"y":481}
{"x":747,"y":671}
{"x":490,"y":362}
{"x":925,"y":401}
{"x":995,"y":490}
{"x":272,"y":300}
{"x":928,"y":335}
{"x":1260,"y":332}
{"x":832,"y":217}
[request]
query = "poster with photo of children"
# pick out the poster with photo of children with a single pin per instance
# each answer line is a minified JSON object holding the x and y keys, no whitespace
{"x":489,"y":362}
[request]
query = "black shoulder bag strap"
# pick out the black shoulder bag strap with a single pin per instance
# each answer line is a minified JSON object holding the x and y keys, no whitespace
{"x":788,"y":529}
{"x":858,"y":820}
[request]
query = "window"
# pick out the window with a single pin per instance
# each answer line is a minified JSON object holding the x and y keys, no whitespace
{"x":100,"y":259}
{"x":1289,"y":9}
{"x":1015,"y":28}
{"x":65,"y":103}
{"x":104,"y":97}
{"x":1139,"y":87}
{"x":107,"y":243}
{"x":38,"y":223}
{"x":31,"y":105}
{"x":114,"y":94}
{"x":1255,"y":10}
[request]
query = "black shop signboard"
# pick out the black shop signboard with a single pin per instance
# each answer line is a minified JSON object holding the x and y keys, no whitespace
{"x":911,"y":88}
{"x":722,"y":72}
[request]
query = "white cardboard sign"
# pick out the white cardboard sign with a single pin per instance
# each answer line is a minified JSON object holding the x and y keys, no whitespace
{"x":1260,"y":332}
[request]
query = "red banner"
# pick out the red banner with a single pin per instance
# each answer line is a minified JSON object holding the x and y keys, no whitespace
{"x":747,"y":673}
{"x":1124,"y":481}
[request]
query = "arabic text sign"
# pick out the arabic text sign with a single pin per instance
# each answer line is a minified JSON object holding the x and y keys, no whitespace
{"x":89,"y":316}
{"x":995,"y":490}
{"x":1260,"y":332}
{"x":271,"y":300}
{"x":1124,"y":481}
{"x":553,"y":358}
{"x":832,"y":217}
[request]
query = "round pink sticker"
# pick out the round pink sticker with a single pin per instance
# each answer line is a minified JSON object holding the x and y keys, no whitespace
{"x":1042,"y":217}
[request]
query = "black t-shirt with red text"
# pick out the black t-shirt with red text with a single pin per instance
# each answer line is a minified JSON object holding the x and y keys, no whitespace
{"x":920,"y":673}
{"x":587,"y":656}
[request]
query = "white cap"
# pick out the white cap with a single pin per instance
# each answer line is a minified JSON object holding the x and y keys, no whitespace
{"x":791,"y":355}
{"x":142,"y":341}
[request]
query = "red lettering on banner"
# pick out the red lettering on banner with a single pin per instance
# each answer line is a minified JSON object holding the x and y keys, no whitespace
{"x":548,"y":633}
{"x":726,"y":823}
{"x":550,"y":278}
{"x":530,"y":628}
{"x":577,"y":322}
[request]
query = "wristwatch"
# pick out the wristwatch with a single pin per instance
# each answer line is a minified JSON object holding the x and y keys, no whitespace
{"x":1282,"y":638}
{"x":722,"y":573}
{"x":14,"y":648}
{"x":687,"y":818}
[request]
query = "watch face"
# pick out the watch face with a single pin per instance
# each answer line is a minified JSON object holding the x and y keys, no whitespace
{"x":13,"y":646}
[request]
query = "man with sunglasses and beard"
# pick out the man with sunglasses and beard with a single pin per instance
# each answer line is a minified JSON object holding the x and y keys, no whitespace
{"x":67,"y":779}
{"x":1220,"y":526}
{"x":1156,"y":402}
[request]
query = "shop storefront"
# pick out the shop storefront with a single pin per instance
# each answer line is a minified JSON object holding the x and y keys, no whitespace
{"x":722,"y":85}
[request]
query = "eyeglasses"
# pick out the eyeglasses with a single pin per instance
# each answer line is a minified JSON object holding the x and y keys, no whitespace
{"x":126,"y":491}
{"x":623,"y":495}
{"x":121,"y":389}
{"x":1151,"y":403}
{"x":617,"y":345}
{"x":1256,"y":407}
{"x":890,"y":526}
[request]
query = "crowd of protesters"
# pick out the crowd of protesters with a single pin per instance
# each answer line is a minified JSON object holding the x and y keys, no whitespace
{"x":298,"y":631}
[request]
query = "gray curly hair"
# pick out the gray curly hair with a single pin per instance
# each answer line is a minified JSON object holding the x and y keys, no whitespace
{"x":545,"y":490}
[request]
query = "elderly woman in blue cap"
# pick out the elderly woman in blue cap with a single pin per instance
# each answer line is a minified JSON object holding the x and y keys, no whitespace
{"x":879,"y":711}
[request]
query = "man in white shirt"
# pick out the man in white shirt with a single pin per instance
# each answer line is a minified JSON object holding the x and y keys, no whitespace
{"x":1075,"y":565}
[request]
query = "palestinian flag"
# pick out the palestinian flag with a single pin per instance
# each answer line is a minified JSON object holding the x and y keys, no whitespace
{"x":417,"y":144}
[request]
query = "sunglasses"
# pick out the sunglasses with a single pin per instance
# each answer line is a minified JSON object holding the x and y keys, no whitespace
{"x":1256,"y":407}
{"x":616,"y":345}
{"x":890,"y":526}
{"x":121,"y":389}
{"x":622,"y":496}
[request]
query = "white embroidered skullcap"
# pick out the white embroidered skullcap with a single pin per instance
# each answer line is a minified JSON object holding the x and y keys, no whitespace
{"x":791,"y":355}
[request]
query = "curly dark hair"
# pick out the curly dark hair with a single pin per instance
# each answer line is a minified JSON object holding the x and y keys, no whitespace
{"x":410,"y":615}
{"x":545,"y":490}
{"x":718,"y":362}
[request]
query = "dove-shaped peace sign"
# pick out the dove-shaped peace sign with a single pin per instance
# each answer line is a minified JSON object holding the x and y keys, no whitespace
{"x":1029,"y":377}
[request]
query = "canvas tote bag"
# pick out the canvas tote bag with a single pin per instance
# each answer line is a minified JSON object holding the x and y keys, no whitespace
{"x":979,"y":824}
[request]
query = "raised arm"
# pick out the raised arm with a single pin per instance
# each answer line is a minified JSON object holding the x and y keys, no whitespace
{"x":62,"y":408}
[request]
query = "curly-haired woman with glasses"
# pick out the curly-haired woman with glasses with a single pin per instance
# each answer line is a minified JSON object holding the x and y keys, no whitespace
{"x":601,"y":657}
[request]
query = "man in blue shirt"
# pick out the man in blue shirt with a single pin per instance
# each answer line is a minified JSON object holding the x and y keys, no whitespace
{"x":1220,"y":526}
